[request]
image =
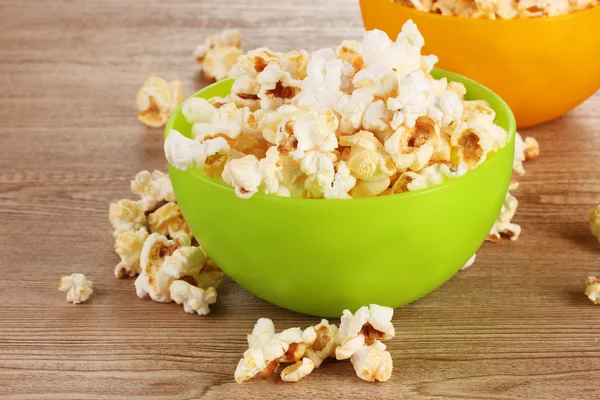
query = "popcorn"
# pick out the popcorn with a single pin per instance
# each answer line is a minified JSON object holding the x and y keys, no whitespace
{"x":219,"y":53}
{"x":210,"y":275}
{"x":156,"y":100}
{"x":168,"y":220}
{"x":162,"y":261}
{"x":183,"y":153}
{"x":592,"y":290}
{"x":356,"y":339}
{"x":527,"y":149}
{"x":218,"y":62}
{"x":244,"y":175}
{"x":595,"y":222}
{"x":360,"y":120}
{"x":125,"y":215}
{"x":152,"y":188}
{"x":128,"y":246}
{"x":504,"y":9}
{"x":503,"y":225}
{"x":470,"y":262}
{"x":194,"y":299}
{"x":364,"y":327}
{"x":324,"y":344}
{"x":78,"y":288}
{"x":413,"y":148}
{"x":372,"y":363}
{"x":297,"y":371}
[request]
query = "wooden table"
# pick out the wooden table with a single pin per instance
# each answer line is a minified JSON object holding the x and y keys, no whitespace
{"x":516,"y":325}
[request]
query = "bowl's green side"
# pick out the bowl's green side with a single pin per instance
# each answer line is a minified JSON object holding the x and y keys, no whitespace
{"x":322,"y":256}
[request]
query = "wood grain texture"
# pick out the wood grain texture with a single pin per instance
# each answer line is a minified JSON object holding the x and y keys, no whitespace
{"x":516,"y":325}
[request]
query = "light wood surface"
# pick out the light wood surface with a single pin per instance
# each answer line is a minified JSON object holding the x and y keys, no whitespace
{"x":516,"y":325}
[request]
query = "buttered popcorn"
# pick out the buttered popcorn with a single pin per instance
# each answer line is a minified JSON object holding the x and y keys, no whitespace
{"x":500,"y":9}
{"x":592,"y":289}
{"x":364,"y":119}
{"x":358,"y":339}
{"x":153,"y":188}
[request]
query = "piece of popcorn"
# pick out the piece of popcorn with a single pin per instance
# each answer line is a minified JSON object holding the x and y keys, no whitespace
{"x":480,"y":138}
{"x":595,"y":222}
{"x":315,"y":130}
{"x":378,"y":78}
{"x":194,"y":299}
{"x":277,"y":87}
{"x":244,"y":175}
{"x":218,"y":62}
{"x":503,"y":225}
{"x":126,"y":215}
{"x":78,"y":288}
{"x":226,"y":38}
{"x":326,"y":77}
{"x":183,"y":153}
{"x":270,"y":170}
{"x":532,"y":148}
{"x":152,"y":188}
{"x":227,"y":121}
{"x":376,"y":119}
{"x":263,"y":352}
{"x":415,"y":96}
{"x":156,"y":100}
{"x":324,"y":345}
{"x":162,"y":261}
{"x":210,"y":275}
{"x":320,"y":173}
{"x":351,"y":109}
{"x":413,"y":148}
{"x":372,"y":362}
{"x":294,"y":342}
{"x":364,"y":189}
{"x":364,"y":327}
{"x":470,"y":262}
{"x":342,"y":183}
{"x":429,"y":176}
{"x":403,"y":55}
{"x":168,"y":220}
{"x":128,"y":246}
{"x":350,"y":51}
{"x":592,"y":289}
{"x":519,"y":155}
{"x":368,"y":159}
{"x":297,"y":371}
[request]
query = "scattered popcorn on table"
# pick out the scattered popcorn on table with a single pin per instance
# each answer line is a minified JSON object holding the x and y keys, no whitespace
{"x":78,"y":288}
{"x":153,"y":188}
{"x":595,"y":222}
{"x":592,"y":290}
{"x":194,"y":299}
{"x":527,"y":149}
{"x":128,"y":246}
{"x":364,"y":119}
{"x":307,"y":349}
{"x":125,"y":215}
{"x":219,"y":53}
{"x":504,"y":9}
{"x":156,"y":100}
{"x":168,"y":220}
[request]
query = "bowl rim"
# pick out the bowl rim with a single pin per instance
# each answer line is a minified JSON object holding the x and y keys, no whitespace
{"x":451,"y":76}
{"x":498,"y":21}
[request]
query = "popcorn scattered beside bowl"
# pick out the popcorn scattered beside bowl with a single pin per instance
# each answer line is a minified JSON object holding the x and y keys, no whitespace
{"x":359,"y":338}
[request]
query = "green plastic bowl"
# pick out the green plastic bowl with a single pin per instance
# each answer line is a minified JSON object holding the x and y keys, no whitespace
{"x":322,"y":256}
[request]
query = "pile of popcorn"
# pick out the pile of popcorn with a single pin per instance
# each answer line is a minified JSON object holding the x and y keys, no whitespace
{"x":503,"y":9}
{"x":154,"y":242}
{"x":359,"y":338}
{"x":364,"y":119}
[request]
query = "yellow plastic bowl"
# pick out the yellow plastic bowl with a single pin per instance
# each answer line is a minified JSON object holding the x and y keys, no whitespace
{"x":542,"y":67}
